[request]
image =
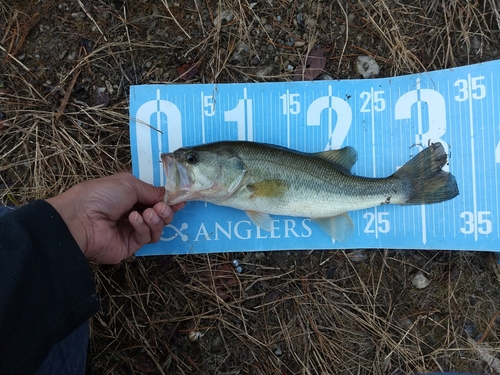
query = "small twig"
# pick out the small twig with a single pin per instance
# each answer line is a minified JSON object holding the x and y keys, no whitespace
{"x":11,"y":21}
{"x":16,"y":60}
{"x":92,"y":19}
{"x":488,"y":329}
{"x":175,"y":20}
{"x":67,"y":95}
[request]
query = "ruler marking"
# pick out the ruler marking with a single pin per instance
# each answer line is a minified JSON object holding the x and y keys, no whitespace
{"x":287,"y":101}
{"x":374,"y":161}
{"x":493,"y":115}
{"x":202,"y":118}
{"x":421,"y":147}
{"x":159,"y":135}
{"x":473,"y":159}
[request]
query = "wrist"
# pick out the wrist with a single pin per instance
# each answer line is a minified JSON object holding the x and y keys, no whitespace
{"x":71,"y":217}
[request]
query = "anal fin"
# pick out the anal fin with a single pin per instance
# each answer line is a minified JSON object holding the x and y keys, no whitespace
{"x":339,"y":227}
{"x":261,"y":219}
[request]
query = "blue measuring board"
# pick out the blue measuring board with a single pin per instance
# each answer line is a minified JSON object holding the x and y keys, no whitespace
{"x":387,"y":120}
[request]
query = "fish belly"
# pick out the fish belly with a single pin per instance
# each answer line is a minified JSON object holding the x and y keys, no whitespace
{"x":319,"y":199}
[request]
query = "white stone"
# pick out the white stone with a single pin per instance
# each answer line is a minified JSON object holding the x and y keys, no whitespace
{"x":367,"y":66}
{"x":420,"y":281}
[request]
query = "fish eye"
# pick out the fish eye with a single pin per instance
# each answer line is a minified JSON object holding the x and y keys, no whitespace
{"x":192,"y":158}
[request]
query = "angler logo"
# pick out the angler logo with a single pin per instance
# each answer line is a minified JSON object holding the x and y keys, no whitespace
{"x":241,"y":230}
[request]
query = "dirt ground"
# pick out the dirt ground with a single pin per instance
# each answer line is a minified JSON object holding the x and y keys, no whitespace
{"x":64,"y":79}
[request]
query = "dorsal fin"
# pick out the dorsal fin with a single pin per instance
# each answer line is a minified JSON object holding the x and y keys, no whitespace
{"x":345,"y":157}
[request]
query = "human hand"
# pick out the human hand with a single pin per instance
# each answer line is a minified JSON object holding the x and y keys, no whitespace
{"x":104,"y":216}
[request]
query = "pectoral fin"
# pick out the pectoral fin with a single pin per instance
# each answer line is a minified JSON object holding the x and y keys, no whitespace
{"x":261,"y":219}
{"x":340,"y":227}
{"x":268,"y":189}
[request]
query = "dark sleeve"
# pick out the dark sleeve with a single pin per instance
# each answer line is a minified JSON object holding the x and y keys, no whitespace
{"x":47,"y":288}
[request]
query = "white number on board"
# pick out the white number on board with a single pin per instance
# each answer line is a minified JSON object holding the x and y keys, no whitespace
{"x":332,"y":104}
{"x":471,"y":87}
{"x":291,"y":104}
{"x":482,"y":224}
{"x":242,"y":114}
{"x":209,"y":105}
{"x":383,"y":225}
{"x":375,"y":99}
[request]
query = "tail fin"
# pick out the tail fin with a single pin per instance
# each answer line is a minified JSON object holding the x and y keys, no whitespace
{"x":427,"y":182}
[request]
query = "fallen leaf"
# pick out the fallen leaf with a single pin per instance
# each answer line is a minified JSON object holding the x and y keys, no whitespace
{"x":86,"y":44}
{"x":167,"y":264}
{"x":171,"y":334}
{"x":4,"y":91}
{"x":188,"y":70}
{"x":223,"y":295}
{"x":226,"y":275}
{"x":273,"y":296}
{"x":225,"y":279}
{"x":312,"y":67}
{"x":102,"y":99}
{"x":144,"y":364}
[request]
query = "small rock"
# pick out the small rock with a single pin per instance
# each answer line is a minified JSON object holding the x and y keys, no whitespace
{"x":224,"y":15}
{"x":195,"y":335}
{"x":475,"y":44}
{"x":216,"y":344}
{"x":357,"y":256}
{"x":255,"y":60}
{"x":278,"y":351}
{"x":260,"y":255}
{"x":469,"y":327}
{"x":79,"y":15}
{"x":109,"y":87}
{"x":420,"y":281}
{"x":265,"y":71}
{"x":367,"y":66}
{"x":105,"y":14}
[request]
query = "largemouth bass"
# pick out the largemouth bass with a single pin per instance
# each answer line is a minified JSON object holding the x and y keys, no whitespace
{"x":266,"y":180}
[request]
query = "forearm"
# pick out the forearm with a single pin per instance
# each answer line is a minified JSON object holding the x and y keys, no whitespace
{"x":46,"y":285}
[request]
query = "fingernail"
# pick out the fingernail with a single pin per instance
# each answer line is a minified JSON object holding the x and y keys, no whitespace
{"x":138,"y":218}
{"x":153,"y":218}
{"x":164,"y":211}
{"x":163,"y":208}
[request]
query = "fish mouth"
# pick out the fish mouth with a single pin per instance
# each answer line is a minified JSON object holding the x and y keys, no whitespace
{"x":178,"y":184}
